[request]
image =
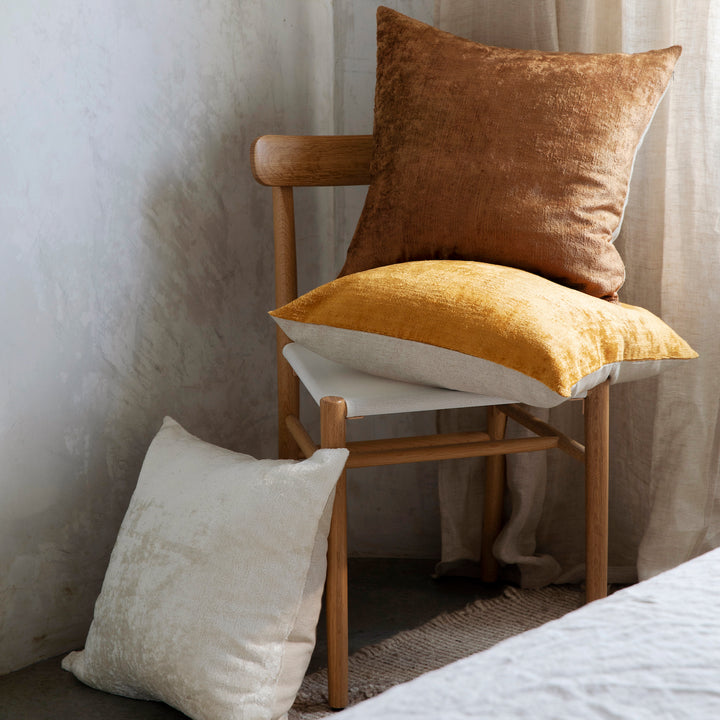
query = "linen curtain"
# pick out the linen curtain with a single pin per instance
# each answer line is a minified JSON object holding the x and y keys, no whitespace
{"x":665,"y":432}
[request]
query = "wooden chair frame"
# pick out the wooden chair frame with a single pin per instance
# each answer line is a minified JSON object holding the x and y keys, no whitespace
{"x":283,"y":162}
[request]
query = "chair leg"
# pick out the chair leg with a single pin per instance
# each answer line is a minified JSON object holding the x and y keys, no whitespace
{"x":288,"y":403}
{"x":597,"y":440}
{"x":493,"y":503}
{"x":332,"y":434}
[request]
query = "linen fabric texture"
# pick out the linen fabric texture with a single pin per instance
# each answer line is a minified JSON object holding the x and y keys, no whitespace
{"x":212,"y":595}
{"x":481,"y":328}
{"x":647,"y":651}
{"x":513,"y":157}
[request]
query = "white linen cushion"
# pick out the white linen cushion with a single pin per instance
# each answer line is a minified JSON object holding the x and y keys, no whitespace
{"x":213,"y":590}
{"x":366,"y":394}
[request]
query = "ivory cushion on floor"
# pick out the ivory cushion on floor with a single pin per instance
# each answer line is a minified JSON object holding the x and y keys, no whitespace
{"x":213,"y":590}
{"x":481,"y":328}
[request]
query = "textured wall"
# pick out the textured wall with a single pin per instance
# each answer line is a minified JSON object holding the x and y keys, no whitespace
{"x":136,"y":268}
{"x":135,"y":265}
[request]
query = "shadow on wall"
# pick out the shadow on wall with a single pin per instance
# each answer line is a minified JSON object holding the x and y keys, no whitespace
{"x":164,"y":299}
{"x":201,"y":343}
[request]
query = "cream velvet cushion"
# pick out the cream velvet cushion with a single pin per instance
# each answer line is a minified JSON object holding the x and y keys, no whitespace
{"x":213,"y":590}
{"x":486,"y":329}
{"x":513,"y":157}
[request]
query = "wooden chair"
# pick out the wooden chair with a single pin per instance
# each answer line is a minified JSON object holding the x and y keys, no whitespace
{"x":284,"y":162}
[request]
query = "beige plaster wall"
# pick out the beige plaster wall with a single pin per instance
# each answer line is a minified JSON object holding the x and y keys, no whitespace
{"x":135,"y":267}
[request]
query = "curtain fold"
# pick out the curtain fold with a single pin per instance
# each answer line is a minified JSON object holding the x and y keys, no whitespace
{"x":665,"y":432}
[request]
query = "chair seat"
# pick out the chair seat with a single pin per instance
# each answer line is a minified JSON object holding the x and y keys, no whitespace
{"x":367,"y":395}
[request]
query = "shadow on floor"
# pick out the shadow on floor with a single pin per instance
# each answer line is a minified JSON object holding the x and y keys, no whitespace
{"x":385,"y":596}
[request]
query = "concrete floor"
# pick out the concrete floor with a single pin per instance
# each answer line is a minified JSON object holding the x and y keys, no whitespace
{"x":385,"y":596}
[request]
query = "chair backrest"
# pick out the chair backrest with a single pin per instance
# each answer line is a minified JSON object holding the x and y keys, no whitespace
{"x":306,"y":160}
{"x":283,"y":162}
{"x":286,"y":161}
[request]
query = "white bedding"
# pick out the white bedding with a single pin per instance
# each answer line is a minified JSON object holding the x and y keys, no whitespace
{"x":649,"y":651}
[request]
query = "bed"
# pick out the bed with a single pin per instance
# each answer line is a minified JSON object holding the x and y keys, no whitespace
{"x":648,"y":651}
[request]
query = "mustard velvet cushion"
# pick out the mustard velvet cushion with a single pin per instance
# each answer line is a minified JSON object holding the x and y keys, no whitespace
{"x":513,"y":157}
{"x":486,"y":329}
{"x":213,"y":590}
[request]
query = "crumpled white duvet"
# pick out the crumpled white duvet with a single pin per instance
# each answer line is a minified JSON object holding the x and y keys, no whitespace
{"x":649,"y":651}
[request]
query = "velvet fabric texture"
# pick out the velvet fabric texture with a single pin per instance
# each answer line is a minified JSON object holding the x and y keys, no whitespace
{"x":213,"y":590}
{"x":513,"y":157}
{"x":494,"y":317}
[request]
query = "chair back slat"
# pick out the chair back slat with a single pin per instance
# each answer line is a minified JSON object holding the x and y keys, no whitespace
{"x":284,"y":162}
{"x":304,"y":160}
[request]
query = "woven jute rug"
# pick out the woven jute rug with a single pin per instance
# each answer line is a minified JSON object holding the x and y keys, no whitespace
{"x":439,"y":642}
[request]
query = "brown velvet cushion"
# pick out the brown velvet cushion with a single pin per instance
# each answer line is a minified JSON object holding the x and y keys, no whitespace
{"x":513,"y":157}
